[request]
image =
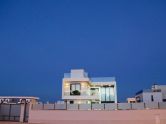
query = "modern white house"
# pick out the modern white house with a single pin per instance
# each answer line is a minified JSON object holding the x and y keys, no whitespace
{"x":78,"y":88}
{"x":157,"y":93}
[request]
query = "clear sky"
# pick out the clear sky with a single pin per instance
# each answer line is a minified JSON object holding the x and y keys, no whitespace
{"x":42,"y":39}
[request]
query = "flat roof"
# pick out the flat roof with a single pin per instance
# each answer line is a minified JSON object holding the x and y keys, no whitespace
{"x":102,"y":79}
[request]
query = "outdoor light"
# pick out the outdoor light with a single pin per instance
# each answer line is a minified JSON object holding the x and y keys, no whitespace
{"x":83,"y":84}
{"x":66,"y":84}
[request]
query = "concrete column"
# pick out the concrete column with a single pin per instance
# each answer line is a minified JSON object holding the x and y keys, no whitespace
{"x":115,"y":91}
{"x":30,"y":109}
{"x":22,"y":112}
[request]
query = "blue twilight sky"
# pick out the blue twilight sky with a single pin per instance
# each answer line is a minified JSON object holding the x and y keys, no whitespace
{"x":40,"y":40}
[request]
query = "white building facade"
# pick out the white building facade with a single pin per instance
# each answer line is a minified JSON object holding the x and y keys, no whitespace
{"x":156,"y":94}
{"x":78,"y":88}
{"x":162,"y":89}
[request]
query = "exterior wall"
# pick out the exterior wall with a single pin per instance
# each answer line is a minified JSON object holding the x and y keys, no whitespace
{"x":157,"y":91}
{"x":163,"y":90}
{"x":98,"y":117}
{"x":146,"y":97}
{"x":157,"y":96}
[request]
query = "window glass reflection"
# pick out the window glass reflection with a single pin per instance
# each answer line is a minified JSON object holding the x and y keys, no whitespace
{"x":107,"y":94}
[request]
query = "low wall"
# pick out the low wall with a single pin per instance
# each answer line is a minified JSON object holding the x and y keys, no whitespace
{"x":155,"y":116}
{"x":102,"y":106}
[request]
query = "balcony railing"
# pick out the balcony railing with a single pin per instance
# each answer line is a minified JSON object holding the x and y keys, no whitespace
{"x":82,"y":94}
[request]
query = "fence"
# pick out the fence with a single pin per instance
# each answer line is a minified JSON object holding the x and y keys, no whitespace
{"x":11,"y":112}
{"x":103,"y":106}
{"x":154,"y":116}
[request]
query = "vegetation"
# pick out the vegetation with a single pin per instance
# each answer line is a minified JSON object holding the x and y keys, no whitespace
{"x":76,"y":92}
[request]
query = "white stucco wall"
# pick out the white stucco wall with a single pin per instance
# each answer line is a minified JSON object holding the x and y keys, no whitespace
{"x":157,"y":96}
{"x":98,"y":117}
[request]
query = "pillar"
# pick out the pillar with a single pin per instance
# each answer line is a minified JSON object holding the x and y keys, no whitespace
{"x":22,"y":112}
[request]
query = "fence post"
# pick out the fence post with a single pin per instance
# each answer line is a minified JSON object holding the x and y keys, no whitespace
{"x":158,"y":105}
{"x":117,"y":106}
{"x":22,"y":112}
{"x":144,"y":105}
{"x":54,"y":106}
{"x":78,"y":106}
{"x":66,"y":105}
{"x":131,"y":107}
{"x":30,"y":109}
{"x":10,"y":107}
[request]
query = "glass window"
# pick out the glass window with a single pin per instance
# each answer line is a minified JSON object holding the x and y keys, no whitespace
{"x":102,"y":94}
{"x":107,"y":94}
{"x":112,"y":94}
{"x":72,"y":87}
{"x":75,"y":86}
{"x":75,"y":89}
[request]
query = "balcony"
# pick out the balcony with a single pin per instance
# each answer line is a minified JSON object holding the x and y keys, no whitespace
{"x":83,"y":95}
